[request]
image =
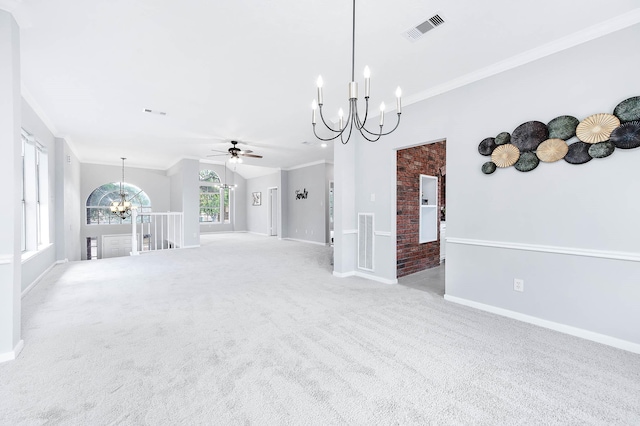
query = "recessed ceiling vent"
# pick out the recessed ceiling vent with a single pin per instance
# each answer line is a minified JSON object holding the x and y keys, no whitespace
{"x":151,"y":111}
{"x":419,"y":30}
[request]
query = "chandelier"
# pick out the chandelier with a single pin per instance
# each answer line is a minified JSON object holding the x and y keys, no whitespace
{"x":225,"y":185}
{"x":353,"y":118}
{"x":121,"y":208}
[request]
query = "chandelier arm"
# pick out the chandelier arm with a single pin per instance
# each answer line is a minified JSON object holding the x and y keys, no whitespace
{"x":344,"y":142}
{"x":325,"y":123}
{"x":326,"y":139}
{"x":360,"y":124}
{"x":383,"y":134}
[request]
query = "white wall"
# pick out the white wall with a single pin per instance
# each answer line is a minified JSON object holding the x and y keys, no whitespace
{"x":306,"y":218}
{"x":68,"y":204}
{"x":258,"y":216}
{"x":591,"y":208}
{"x":10,"y":174}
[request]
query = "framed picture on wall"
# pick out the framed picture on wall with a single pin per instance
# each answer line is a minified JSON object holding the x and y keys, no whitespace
{"x":257,"y":198}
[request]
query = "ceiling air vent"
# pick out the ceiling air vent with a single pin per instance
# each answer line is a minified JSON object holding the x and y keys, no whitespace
{"x":419,"y":30}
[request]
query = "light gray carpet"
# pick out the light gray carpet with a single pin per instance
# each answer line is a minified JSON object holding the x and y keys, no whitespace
{"x":249,"y":330}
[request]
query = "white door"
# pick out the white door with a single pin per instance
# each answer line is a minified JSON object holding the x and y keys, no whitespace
{"x":273,"y":211}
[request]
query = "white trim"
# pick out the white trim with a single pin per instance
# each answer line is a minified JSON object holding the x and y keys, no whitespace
{"x":599,"y":30}
{"x":302,"y":166}
{"x":563,"y":328}
{"x":303,"y":241}
{"x":28,"y":255}
{"x":187,"y":247}
{"x":574,"y":251}
{"x":363,"y":275}
{"x":259,"y":233}
{"x":349,"y":231}
{"x":37,"y":280}
{"x":6,"y":260}
{"x":382,"y":233}
{"x":10,"y":356}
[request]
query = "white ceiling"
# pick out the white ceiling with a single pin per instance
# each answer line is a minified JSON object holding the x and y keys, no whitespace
{"x":246,"y":70}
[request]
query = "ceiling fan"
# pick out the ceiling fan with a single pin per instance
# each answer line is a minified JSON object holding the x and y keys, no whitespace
{"x":235,"y":153}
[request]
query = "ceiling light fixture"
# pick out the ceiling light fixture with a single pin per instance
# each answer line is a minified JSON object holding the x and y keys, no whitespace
{"x":121,"y":208}
{"x":353,"y":118}
{"x":225,"y":185}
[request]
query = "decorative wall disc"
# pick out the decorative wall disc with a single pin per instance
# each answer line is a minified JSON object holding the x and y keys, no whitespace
{"x":488,"y":167}
{"x":487,"y":146}
{"x":563,"y":127}
{"x":601,"y":149}
{"x":527,"y":162}
{"x":527,"y":136}
{"x":505,"y":155}
{"x":627,"y":136}
{"x":578,"y":153}
{"x":597,"y":127}
{"x":503,"y":138}
{"x":552,"y":150}
{"x":628,"y":110}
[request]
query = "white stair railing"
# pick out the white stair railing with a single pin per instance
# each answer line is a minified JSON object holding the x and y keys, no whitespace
{"x":156,"y":231}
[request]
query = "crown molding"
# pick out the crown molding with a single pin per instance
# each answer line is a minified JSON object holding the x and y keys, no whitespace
{"x":17,"y":9}
{"x":595,"y":31}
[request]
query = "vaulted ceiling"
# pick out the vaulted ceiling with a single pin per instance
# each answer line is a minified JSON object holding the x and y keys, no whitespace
{"x":246,"y":70}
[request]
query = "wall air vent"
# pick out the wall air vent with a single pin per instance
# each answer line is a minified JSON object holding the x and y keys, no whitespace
{"x":415,"y":33}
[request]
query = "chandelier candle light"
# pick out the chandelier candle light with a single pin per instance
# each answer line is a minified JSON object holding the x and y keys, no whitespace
{"x":353,"y":119}
{"x":225,"y":185}
{"x":121,"y":208}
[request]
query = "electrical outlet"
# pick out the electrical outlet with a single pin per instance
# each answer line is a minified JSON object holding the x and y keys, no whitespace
{"x":518,"y":284}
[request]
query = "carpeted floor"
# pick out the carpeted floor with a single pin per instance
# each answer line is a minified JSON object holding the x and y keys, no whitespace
{"x":249,"y":330}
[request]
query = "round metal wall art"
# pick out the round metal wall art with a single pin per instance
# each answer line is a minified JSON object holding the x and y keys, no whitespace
{"x":601,"y":149}
{"x":489,"y":167}
{"x":628,"y":110}
{"x":552,"y":150}
{"x":597,"y":136}
{"x":527,"y":136}
{"x":487,"y":146}
{"x":627,"y":136}
{"x":597,"y":127}
{"x":527,"y":162}
{"x":578,"y":153}
{"x":505,"y":155}
{"x":563,"y":127}
{"x":503,"y":138}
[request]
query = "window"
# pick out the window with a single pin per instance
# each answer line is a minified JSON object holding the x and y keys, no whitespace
{"x":99,"y":202}
{"x":214,"y":200}
{"x":35,"y":191}
{"x":92,"y":248}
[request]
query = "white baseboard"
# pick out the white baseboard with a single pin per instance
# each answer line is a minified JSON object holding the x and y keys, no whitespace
{"x":186,"y":247}
{"x":10,"y":356}
{"x":363,"y":275}
{"x":37,"y":280}
{"x":563,"y":328}
{"x":306,"y":241}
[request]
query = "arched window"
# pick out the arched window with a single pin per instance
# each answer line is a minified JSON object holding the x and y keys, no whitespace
{"x":99,"y":202}
{"x":211,"y":195}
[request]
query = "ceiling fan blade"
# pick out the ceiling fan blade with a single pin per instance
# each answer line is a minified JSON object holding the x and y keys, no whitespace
{"x":251,"y":155}
{"x":245,"y":151}
{"x":217,"y":155}
{"x":217,"y":150}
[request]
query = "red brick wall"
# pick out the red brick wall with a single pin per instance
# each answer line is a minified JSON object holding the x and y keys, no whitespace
{"x":412,"y":162}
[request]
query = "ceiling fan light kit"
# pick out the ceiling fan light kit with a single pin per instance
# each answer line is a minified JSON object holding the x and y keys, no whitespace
{"x":236,"y":153}
{"x":353,"y":118}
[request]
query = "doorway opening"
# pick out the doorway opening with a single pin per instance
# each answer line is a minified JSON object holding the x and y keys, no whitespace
{"x":273,"y":211}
